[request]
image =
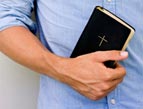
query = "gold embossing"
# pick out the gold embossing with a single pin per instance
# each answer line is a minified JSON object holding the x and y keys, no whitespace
{"x":102,"y":39}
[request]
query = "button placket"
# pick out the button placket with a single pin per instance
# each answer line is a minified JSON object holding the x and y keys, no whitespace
{"x":113,"y":101}
{"x":109,"y":0}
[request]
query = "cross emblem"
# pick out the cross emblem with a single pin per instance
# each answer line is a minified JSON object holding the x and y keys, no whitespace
{"x":102,"y":39}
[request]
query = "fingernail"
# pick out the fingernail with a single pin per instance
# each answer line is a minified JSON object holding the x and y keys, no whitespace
{"x":123,"y":53}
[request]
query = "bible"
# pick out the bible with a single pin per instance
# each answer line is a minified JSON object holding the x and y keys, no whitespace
{"x":104,"y":31}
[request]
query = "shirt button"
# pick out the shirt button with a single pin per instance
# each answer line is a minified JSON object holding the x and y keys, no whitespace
{"x":113,"y":101}
{"x":109,"y":0}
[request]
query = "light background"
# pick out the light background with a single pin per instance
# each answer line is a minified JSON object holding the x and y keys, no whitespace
{"x":18,"y":85}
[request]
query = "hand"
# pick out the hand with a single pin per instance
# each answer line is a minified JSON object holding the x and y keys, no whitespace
{"x":90,"y":77}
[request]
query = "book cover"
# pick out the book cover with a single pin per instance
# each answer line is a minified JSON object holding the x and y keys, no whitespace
{"x":101,"y":33}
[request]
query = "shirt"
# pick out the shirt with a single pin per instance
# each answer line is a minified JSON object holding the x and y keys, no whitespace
{"x":60,"y":23}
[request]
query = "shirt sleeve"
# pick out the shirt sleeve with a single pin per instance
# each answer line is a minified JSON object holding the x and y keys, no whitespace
{"x":16,"y":13}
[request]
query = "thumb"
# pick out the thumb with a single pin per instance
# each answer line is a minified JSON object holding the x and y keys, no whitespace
{"x":112,"y":55}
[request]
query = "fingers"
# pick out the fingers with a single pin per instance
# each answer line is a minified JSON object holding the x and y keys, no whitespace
{"x":91,"y":78}
{"x":118,"y":72}
{"x":104,"y":89}
{"x":102,"y":56}
{"x":110,"y":85}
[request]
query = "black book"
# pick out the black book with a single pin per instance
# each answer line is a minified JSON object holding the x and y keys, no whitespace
{"x":104,"y":31}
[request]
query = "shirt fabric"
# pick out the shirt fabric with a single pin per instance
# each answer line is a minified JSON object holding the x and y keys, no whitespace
{"x":61,"y":23}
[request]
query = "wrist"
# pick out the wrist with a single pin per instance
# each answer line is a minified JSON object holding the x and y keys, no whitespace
{"x":53,"y":66}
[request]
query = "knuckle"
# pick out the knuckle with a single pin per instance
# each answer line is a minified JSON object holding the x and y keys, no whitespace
{"x":97,"y":95}
{"x":98,"y":54}
{"x":101,"y":93}
{"x":112,"y":53}
{"x":108,"y":76}
{"x":105,"y":86}
{"x":94,"y":98}
{"x":124,"y":71}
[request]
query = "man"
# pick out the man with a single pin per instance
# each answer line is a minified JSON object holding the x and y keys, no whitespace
{"x":79,"y":83}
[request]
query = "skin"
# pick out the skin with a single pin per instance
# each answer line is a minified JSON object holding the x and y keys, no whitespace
{"x":86,"y":74}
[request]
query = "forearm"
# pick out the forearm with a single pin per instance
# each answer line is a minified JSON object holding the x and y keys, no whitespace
{"x":22,"y":46}
{"x":86,"y":74}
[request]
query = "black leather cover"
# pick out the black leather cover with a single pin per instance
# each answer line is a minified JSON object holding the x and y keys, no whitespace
{"x":101,"y":33}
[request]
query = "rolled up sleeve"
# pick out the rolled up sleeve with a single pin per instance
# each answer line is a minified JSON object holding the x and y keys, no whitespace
{"x":16,"y":13}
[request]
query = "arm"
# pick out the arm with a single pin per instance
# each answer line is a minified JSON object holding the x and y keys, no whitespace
{"x":22,"y":46}
{"x":86,"y":74}
{"x":16,"y":40}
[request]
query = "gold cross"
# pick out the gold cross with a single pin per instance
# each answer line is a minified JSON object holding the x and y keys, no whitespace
{"x":102,"y":39}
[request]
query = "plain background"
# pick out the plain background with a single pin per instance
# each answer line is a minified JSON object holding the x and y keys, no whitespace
{"x":18,"y":85}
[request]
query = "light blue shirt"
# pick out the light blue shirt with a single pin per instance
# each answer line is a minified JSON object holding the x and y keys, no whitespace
{"x":60,"y":23}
